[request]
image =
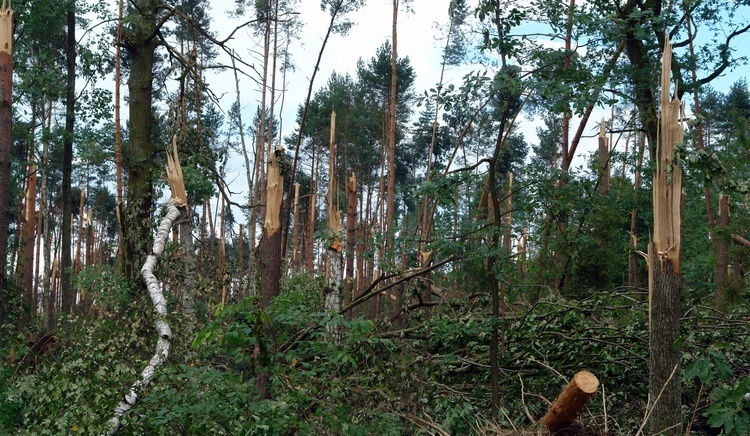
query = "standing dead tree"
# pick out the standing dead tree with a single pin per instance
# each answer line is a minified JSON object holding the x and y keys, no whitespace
{"x":176,"y":206}
{"x":665,"y":281}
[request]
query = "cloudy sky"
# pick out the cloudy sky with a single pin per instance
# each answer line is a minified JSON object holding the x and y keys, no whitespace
{"x":372,"y":27}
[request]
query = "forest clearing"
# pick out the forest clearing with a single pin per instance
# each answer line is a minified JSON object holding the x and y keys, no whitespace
{"x":553,"y":239}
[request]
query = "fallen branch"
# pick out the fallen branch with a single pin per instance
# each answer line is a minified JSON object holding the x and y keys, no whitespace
{"x":740,"y":240}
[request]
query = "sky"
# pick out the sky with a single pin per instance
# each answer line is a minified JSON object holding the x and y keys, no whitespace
{"x":372,"y":27}
{"x":417,"y":35}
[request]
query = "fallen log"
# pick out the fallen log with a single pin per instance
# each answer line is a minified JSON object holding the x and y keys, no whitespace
{"x":570,"y":402}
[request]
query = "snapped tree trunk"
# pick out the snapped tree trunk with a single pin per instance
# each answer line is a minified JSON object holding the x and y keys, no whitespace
{"x":603,"y":160}
{"x":176,"y":206}
{"x":351,"y":235}
{"x":335,"y":247}
{"x":665,"y":281}
{"x":270,"y":283}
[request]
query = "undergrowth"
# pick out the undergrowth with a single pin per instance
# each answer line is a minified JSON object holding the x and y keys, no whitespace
{"x":430,"y":376}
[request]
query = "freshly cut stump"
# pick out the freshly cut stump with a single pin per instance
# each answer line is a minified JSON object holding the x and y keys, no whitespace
{"x":570,"y":402}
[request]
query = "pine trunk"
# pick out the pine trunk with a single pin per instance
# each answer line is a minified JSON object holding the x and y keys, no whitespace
{"x":603,"y":160}
{"x":295,"y":229}
{"x":391,"y":177}
{"x":721,"y":268}
{"x":139,"y":158}
{"x":67,"y":167}
{"x":27,"y":273}
{"x":665,"y":281}
{"x":335,"y":271}
{"x":351,"y":236}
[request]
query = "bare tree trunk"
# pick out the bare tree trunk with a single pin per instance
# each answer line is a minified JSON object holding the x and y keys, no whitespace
{"x":391,"y":177}
{"x":634,"y":278}
{"x":309,"y":247}
{"x":351,"y":236}
{"x":187,"y":299}
{"x":664,"y":270}
{"x":295,"y":229}
{"x":6,"y":137}
{"x":334,"y":273}
{"x":26,"y":260}
{"x":78,"y":264}
{"x":249,"y":173}
{"x":222,"y":255}
{"x":241,"y":265}
{"x":721,"y":268}
{"x":67,"y":200}
{"x":603,"y":160}
{"x":118,"y":135}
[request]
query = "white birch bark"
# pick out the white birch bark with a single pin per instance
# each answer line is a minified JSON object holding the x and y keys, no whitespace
{"x":163,"y":331}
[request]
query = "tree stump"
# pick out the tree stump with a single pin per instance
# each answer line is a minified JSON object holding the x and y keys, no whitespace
{"x":570,"y":402}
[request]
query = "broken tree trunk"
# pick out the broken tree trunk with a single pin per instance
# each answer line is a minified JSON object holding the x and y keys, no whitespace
{"x":335,"y":247}
{"x":665,"y":281}
{"x":351,"y":235}
{"x":570,"y":402}
{"x":295,"y":228}
{"x":603,"y":159}
{"x":164,"y":332}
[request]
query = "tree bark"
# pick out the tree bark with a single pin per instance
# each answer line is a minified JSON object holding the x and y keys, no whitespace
{"x":603,"y":160}
{"x":721,"y":268}
{"x":118,"y":134}
{"x":270,"y":284}
{"x":29,"y":296}
{"x":351,"y":235}
{"x":67,"y":199}
{"x":295,"y":229}
{"x":391,"y":177}
{"x":665,"y":281}
{"x":164,"y":332}
{"x":139,"y":157}
{"x":571,"y":401}
{"x":334,"y":273}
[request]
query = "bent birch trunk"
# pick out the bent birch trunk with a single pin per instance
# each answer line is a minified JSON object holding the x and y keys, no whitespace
{"x":164,"y":341}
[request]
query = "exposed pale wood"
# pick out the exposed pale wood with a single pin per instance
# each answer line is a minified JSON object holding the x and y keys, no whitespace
{"x":295,"y":223}
{"x":334,"y":273}
{"x":665,"y":281}
{"x":570,"y":402}
{"x":668,"y":177}
{"x":603,"y":158}
{"x":351,"y":235}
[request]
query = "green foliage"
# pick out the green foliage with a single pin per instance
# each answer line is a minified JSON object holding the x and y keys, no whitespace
{"x":74,"y":385}
{"x":717,"y":361}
